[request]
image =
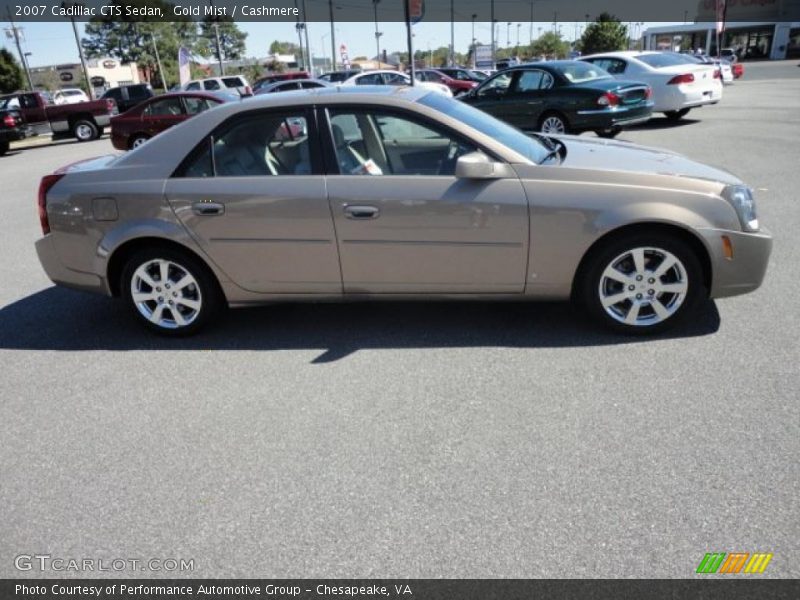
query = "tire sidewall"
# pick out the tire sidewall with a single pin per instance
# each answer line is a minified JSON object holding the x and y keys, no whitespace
{"x":209,"y":289}
{"x":558,"y":116}
{"x":135,"y":138}
{"x":592,"y":273}
{"x":84,"y":123}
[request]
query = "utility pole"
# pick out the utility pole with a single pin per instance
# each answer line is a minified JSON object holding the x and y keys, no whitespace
{"x":412,"y":70}
{"x":494,"y":61}
{"x":215,"y":25}
{"x":378,"y":34}
{"x":530,"y":33}
{"x":308,"y":48}
{"x":508,"y":34}
{"x":333,"y":37}
{"x":474,"y":16}
{"x":78,"y":43}
{"x":19,"y":49}
{"x":451,"y":57}
{"x":158,"y":62}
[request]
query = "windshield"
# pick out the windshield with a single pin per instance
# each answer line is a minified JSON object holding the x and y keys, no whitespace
{"x":507,"y":135}
{"x":581,"y":72}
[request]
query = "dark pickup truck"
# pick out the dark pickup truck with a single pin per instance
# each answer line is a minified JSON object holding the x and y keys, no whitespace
{"x":84,"y":121}
{"x":12,"y":128}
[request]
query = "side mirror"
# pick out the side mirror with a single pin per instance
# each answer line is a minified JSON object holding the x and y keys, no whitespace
{"x":476,"y":165}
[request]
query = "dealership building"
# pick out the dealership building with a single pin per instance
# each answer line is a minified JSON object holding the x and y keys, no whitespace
{"x":750,"y":40}
{"x":103,"y":73}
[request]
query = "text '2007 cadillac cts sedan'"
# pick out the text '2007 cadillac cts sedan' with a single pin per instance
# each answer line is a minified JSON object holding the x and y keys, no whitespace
{"x":395,"y":193}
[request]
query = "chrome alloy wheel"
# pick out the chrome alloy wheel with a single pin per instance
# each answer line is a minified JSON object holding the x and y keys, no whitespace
{"x":84,"y":132}
{"x":166,"y":293}
{"x":553,"y":124}
{"x":643,"y":286}
{"x":138,"y":142}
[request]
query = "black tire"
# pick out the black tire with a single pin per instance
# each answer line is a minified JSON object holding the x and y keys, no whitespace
{"x":658,"y":245}
{"x":204,"y":290}
{"x":4,"y":146}
{"x":85,"y":130}
{"x":677,"y":115}
{"x":137,"y":139}
{"x":609,"y":133}
{"x":554,"y":116}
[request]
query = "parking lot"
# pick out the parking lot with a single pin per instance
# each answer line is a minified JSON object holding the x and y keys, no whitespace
{"x":412,"y":440}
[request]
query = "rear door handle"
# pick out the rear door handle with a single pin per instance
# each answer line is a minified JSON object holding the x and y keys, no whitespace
{"x":206,"y":209}
{"x":361,"y":212}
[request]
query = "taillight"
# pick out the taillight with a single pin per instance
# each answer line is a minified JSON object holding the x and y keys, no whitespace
{"x":9,"y":121}
{"x":678,"y":79}
{"x":608,"y":99}
{"x":648,"y":93}
{"x":111,"y":106}
{"x":248,"y":91}
{"x":717,"y":73}
{"x":48,"y":181}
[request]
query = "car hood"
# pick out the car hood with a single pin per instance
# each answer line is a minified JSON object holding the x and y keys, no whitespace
{"x":608,"y":155}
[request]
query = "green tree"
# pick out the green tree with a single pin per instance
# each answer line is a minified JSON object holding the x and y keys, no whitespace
{"x":606,"y":34}
{"x":277,"y":47}
{"x":131,"y":39}
{"x":550,"y":44}
{"x":231,"y":38}
{"x":10,"y":73}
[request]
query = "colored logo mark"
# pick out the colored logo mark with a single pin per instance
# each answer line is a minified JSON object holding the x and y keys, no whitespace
{"x":734,"y":562}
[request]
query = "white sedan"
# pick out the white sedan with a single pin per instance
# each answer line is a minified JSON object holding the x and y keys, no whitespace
{"x":388,"y":77}
{"x":678,"y":84}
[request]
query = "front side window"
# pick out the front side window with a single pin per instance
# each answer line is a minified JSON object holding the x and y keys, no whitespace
{"x":379,"y":143}
{"x":196,"y":105}
{"x":268,"y":144}
{"x":194,"y":85}
{"x":168,"y":107}
{"x":496,"y":86}
{"x":370,"y":79}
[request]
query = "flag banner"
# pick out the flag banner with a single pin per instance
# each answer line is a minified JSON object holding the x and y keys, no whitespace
{"x":184,"y":62}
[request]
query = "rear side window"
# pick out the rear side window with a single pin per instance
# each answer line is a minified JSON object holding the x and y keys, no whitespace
{"x":265,"y":145}
{"x":138,"y":91}
{"x":661,"y":60}
{"x":196,"y":105}
{"x":165,"y":107}
{"x":211,"y":84}
{"x":232,"y":82}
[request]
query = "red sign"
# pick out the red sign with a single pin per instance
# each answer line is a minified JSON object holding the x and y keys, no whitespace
{"x":416,"y":10}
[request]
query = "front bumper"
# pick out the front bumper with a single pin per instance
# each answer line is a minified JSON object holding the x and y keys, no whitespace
{"x":61,"y":275}
{"x":745,"y":271}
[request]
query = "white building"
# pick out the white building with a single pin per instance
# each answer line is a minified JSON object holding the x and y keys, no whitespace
{"x":104,"y":73}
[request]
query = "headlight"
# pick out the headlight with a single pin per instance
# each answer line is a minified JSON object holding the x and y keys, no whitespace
{"x":741,"y":198}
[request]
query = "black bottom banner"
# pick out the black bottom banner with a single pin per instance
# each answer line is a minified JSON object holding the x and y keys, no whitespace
{"x":411,"y":589}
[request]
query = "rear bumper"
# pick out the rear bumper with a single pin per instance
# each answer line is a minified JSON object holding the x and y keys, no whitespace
{"x":620,"y":116}
{"x":745,"y":271}
{"x":676,"y":97}
{"x":12,"y":135}
{"x":61,"y":275}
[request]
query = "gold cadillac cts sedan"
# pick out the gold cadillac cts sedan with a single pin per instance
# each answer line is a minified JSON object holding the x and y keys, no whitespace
{"x":392,"y":193}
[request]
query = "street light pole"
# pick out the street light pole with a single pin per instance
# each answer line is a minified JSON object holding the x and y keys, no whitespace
{"x":158,"y":62}
{"x":333,"y":37}
{"x":474,"y":16}
{"x":78,"y":43}
{"x":493,"y":54}
{"x":377,"y":33}
{"x":451,"y":55}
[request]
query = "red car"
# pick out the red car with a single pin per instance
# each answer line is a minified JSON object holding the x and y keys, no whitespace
{"x":143,"y":121}
{"x":457,"y":86}
{"x":738,"y":70}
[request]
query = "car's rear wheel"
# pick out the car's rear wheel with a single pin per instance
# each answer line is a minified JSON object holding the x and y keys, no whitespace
{"x":85,"y":130}
{"x":642,"y":283}
{"x":609,"y":132}
{"x":170,"y":291}
{"x":4,"y":146}
{"x":553,"y":123}
{"x":137,"y":140}
{"x":677,"y":115}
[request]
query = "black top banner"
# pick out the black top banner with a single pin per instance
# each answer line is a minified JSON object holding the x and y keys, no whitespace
{"x":399,"y":589}
{"x":751,"y":11}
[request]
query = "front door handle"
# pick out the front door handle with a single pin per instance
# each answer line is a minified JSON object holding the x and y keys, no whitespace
{"x":206,"y":209}
{"x":361,"y":212}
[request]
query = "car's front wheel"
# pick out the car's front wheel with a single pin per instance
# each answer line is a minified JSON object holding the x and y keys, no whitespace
{"x":553,"y":123}
{"x":137,"y":140}
{"x":642,"y":283}
{"x":170,"y":291}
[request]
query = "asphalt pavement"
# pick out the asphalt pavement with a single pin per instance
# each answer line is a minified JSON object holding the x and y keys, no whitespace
{"x":412,"y":440}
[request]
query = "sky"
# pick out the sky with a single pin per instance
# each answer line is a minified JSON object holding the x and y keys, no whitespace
{"x":53,"y":42}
